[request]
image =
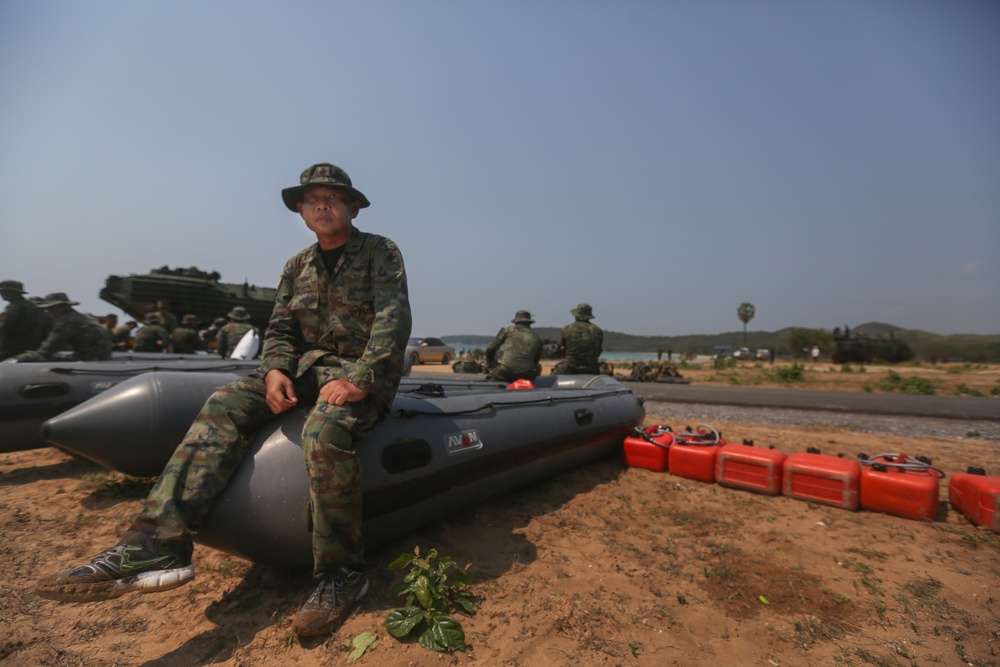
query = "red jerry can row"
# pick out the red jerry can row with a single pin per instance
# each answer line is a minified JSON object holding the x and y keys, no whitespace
{"x":977,"y":497}
{"x":649,"y":447}
{"x":749,"y":468}
{"x":902,"y":486}
{"x":693,"y":453}
{"x":821,"y":478}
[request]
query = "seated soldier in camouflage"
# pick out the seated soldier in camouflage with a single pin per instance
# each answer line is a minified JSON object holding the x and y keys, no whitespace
{"x":581,"y":343}
{"x":334,"y":345}
{"x":152,"y":337}
{"x":24,"y":325}
{"x":185,"y":339}
{"x":232,"y":332}
{"x":83,"y":335}
{"x":521,"y":351}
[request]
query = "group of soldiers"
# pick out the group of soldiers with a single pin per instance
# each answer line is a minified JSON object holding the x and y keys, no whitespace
{"x":161,"y":332}
{"x":35,"y":329}
{"x":516,"y":351}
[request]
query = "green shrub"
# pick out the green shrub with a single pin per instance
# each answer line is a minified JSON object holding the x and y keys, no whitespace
{"x":793,"y":373}
{"x":917,"y":385}
{"x":432,"y":591}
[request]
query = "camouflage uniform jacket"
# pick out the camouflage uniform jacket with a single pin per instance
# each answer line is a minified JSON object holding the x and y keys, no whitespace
{"x":85,"y":336}
{"x":229,"y":337}
{"x":169,"y":321}
{"x":353,"y":324}
{"x":184,"y":340}
{"x":151,"y":338}
{"x":121,"y":337}
{"x":24,"y":327}
{"x":583,"y":342}
{"x":522,"y":349}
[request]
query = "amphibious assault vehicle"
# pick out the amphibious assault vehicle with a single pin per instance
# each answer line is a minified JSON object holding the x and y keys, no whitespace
{"x":189,"y":291}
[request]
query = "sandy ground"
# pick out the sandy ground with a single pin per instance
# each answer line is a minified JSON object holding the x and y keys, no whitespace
{"x":603,"y":565}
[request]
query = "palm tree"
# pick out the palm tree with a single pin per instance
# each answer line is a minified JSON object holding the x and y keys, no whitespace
{"x":746,"y":311}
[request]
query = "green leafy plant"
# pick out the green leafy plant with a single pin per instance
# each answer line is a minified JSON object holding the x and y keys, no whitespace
{"x":793,"y":373}
{"x":432,"y":590}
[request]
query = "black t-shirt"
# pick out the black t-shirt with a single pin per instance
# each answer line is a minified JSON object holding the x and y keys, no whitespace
{"x":331,"y":257}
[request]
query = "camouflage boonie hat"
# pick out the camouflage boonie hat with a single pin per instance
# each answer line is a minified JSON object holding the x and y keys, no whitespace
{"x":327,"y":175}
{"x":56,"y":299}
{"x":190,"y":319}
{"x":219,"y":322}
{"x":239,"y":314}
{"x":583,"y":312}
{"x":523,"y":317}
{"x":153,"y":318}
{"x":12,"y":285}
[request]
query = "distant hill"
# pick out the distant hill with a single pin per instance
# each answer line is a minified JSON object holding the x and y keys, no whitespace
{"x":927,"y":346}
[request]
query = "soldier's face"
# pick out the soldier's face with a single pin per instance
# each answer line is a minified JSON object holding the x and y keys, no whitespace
{"x":328,"y":214}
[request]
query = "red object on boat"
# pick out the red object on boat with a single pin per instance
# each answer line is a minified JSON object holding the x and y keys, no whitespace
{"x":521,"y":384}
{"x":649,"y":448}
{"x":749,"y":468}
{"x":821,"y":478}
{"x":896,"y":485}
{"x":977,"y":497}
{"x":693,"y":454}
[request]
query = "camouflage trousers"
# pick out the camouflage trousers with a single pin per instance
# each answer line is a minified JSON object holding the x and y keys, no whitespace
{"x":217,"y":443}
{"x":507,"y":374}
{"x":565,"y":368}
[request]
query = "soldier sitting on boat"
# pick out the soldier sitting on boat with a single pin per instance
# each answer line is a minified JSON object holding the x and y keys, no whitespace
{"x":232,"y":333}
{"x":152,"y":337}
{"x":23,"y":326}
{"x":522,"y":351}
{"x":71,"y":330}
{"x":185,"y":339}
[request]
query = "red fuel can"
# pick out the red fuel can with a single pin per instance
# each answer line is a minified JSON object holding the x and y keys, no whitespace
{"x":977,"y":497}
{"x":693,"y":454}
{"x":901,"y":486}
{"x":649,"y":448}
{"x":749,"y":468}
{"x":821,"y":478}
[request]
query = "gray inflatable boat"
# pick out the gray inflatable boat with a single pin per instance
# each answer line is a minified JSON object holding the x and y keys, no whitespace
{"x":31,"y":393}
{"x":446,"y":445}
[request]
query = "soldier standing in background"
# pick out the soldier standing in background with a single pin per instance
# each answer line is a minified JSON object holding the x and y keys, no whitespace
{"x":167,"y":319}
{"x":522,"y":351}
{"x":152,"y":337}
{"x":232,"y":333}
{"x":24,"y":326}
{"x":71,"y":330}
{"x":582,"y":343}
{"x":184,"y":339}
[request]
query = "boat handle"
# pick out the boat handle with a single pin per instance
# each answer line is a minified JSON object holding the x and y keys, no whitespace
{"x":44,"y":390}
{"x":583,"y":416}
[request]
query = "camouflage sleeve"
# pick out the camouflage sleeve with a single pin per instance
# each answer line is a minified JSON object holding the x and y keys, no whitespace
{"x":283,"y":340}
{"x":491,"y":349}
{"x":382,"y":360}
{"x":59,"y":338}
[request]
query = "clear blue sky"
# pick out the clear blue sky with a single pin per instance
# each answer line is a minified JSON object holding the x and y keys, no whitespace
{"x":830,"y":162}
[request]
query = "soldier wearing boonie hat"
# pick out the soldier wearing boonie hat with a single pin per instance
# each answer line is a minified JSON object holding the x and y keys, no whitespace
{"x":185,"y":339}
{"x":83,"y":335}
{"x":23,"y":326}
{"x":334,"y":346}
{"x":152,"y":336}
{"x":521,"y":351}
{"x":232,"y":332}
{"x":581,"y":343}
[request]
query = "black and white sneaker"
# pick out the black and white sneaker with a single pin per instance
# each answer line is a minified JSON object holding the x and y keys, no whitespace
{"x":112,"y":573}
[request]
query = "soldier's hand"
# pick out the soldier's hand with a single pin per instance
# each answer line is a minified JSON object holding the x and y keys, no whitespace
{"x":338,"y":392}
{"x":280,"y":391}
